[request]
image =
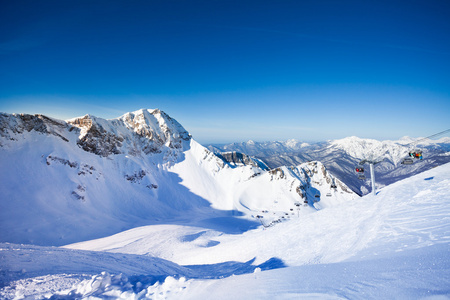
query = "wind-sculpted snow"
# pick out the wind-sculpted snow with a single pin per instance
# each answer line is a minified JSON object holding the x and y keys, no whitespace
{"x":83,"y":274}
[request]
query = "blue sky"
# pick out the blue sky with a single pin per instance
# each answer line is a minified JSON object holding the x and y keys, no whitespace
{"x":234,"y":70}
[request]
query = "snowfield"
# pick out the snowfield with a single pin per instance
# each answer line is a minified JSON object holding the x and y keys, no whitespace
{"x":134,"y":208}
{"x":392,"y":245}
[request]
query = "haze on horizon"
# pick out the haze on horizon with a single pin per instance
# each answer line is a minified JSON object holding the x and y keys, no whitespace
{"x":232,"y":71}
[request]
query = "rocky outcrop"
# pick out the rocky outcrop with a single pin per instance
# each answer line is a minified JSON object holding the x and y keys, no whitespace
{"x":13,"y":124}
{"x":95,"y":138}
{"x":236,"y":158}
{"x":315,"y":173}
{"x":154,"y":129}
{"x":277,"y":174}
{"x":143,"y":131}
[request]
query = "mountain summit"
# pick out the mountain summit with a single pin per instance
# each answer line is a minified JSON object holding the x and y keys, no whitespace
{"x":143,"y":131}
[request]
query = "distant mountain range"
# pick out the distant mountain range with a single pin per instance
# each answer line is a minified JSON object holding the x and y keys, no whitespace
{"x":341,"y":156}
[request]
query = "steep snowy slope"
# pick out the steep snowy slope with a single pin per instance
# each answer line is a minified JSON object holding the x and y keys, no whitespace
{"x":89,"y":177}
{"x":341,"y":156}
{"x":247,"y":188}
{"x":67,"y":183}
{"x":392,"y":245}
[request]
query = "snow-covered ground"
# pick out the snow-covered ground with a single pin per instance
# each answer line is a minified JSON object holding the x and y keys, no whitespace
{"x":395,"y":245}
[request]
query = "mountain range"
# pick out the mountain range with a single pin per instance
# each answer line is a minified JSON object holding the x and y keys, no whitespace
{"x":342,"y":156}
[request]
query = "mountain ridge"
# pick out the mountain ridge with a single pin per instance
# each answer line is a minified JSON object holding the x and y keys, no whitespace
{"x":90,"y":177}
{"x":342,"y":155}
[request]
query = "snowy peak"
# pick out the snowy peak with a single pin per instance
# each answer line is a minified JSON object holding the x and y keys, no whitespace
{"x":156,"y":124}
{"x":135,"y":133}
{"x":392,"y":150}
{"x":369,"y":148}
{"x":281,"y":191}
{"x":295,"y":144}
{"x":143,"y":131}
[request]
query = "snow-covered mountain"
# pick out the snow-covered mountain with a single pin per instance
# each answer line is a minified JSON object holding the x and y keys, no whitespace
{"x":69,"y":181}
{"x":262,"y":149}
{"x":341,"y":156}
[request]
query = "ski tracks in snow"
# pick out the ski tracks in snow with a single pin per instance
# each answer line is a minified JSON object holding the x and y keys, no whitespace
{"x":413,"y":214}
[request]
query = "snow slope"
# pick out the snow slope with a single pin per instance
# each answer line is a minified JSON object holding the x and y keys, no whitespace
{"x":56,"y":191}
{"x":392,"y":245}
{"x":409,"y":214}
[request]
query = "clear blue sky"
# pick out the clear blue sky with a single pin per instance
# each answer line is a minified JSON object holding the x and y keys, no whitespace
{"x":234,"y":70}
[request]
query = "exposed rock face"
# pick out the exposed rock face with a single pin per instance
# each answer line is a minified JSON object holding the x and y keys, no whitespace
{"x":237,"y":158}
{"x":143,"y":131}
{"x":95,"y":138}
{"x":314,"y":168}
{"x":12,"y":124}
{"x":277,"y":174}
{"x":136,"y":133}
{"x":154,"y":129}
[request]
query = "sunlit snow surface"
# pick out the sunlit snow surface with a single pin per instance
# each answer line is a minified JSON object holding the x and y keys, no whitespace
{"x":391,"y":246}
{"x":141,"y":169}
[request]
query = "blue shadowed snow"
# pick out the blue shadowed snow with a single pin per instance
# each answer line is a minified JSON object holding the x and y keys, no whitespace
{"x":192,"y":237}
{"x":229,"y":268}
{"x":228,"y":224}
{"x":428,"y":178}
{"x":16,"y":260}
